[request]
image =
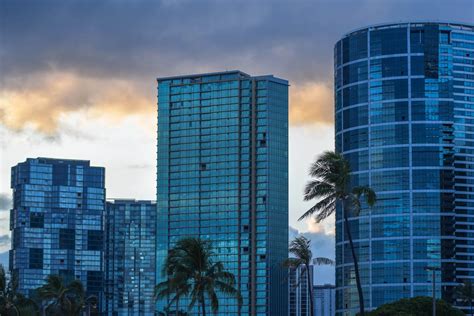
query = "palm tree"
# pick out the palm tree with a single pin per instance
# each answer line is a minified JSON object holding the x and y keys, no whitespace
{"x":55,"y":292}
{"x":79,"y":299}
{"x":7,"y":304}
{"x":12,"y":302}
{"x":191,"y":272}
{"x":465,"y":292}
{"x":63,"y":299}
{"x":300,"y":247}
{"x":330,"y":187}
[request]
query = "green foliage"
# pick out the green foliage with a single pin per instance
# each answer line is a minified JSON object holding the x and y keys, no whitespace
{"x":416,"y":306}
{"x":192,"y":273}
{"x":465,"y":292}
{"x":65,"y":299}
{"x":13,"y":303}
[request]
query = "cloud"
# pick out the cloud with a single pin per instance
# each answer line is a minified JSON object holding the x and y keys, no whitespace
{"x":43,"y":100}
{"x":322,"y":244}
{"x":292,"y":233}
{"x":140,"y":166}
{"x":326,"y":227}
{"x":5,"y":202}
{"x":311,"y":102}
{"x":62,"y":57}
{"x":4,"y":241}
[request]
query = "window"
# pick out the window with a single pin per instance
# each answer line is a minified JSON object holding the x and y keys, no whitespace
{"x":66,"y":238}
{"x":94,"y":240}
{"x":354,"y":72}
{"x":388,"y":67}
{"x":354,"y":47}
{"x":388,"y":41}
{"x":389,"y":89}
{"x":355,"y":117}
{"x":416,"y":40}
{"x":36,"y":258}
{"x":355,"y":94}
{"x":388,"y":112}
{"x":36,"y":220}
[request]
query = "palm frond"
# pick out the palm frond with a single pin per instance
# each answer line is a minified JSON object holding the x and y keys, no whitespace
{"x":322,"y":261}
{"x":300,"y":247}
{"x":229,"y":290}
{"x":292,"y":262}
{"x":322,"y":209}
{"x":317,"y":189}
{"x":365,"y":191}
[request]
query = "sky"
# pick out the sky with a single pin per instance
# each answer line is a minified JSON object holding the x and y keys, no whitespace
{"x":78,"y":79}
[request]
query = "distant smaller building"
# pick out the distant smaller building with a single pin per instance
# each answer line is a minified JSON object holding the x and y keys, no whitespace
{"x":56,"y":223}
{"x":324,"y":300}
{"x":298,"y":291}
{"x":130,"y":257}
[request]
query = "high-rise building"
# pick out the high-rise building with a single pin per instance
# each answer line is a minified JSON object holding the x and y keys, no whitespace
{"x":223,"y":176}
{"x":324,"y":300}
{"x":57,"y":223}
{"x":404,"y":119}
{"x":130,"y":228}
{"x":298,"y":291}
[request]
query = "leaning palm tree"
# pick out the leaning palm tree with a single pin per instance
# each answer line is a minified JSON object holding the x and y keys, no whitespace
{"x":300,"y":248}
{"x":191,"y":272}
{"x":465,"y":292}
{"x":331,"y":186}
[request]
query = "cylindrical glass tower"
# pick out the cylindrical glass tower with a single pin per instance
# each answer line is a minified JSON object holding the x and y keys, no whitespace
{"x":404,"y":96}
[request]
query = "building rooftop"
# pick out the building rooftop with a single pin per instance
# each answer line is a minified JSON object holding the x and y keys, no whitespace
{"x":237,"y":73}
{"x":59,"y":161}
{"x":125,"y":200}
{"x":460,"y":25}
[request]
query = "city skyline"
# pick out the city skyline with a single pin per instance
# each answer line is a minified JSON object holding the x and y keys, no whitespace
{"x":114,"y":103}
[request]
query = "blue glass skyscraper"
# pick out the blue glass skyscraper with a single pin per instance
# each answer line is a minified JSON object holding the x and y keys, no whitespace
{"x":223,"y":176}
{"x":130,"y":228}
{"x":57,"y":223}
{"x":405,"y":120}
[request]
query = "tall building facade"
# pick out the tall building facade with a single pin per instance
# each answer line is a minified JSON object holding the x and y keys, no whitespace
{"x":57,"y":223}
{"x":130,"y":230}
{"x":223,"y":176}
{"x":404,"y":96}
{"x":298,"y":291}
{"x":324,"y":300}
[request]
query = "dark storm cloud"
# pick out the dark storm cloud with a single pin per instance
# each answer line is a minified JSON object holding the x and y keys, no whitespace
{"x":60,"y":57}
{"x":142,"y":39}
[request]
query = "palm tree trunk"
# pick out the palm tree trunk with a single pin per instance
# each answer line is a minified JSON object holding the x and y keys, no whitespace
{"x":177,"y":305}
{"x":310,"y":291}
{"x":356,"y":265}
{"x":203,"y":304}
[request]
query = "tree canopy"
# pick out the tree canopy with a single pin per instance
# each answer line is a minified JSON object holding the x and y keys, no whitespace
{"x":416,"y":306}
